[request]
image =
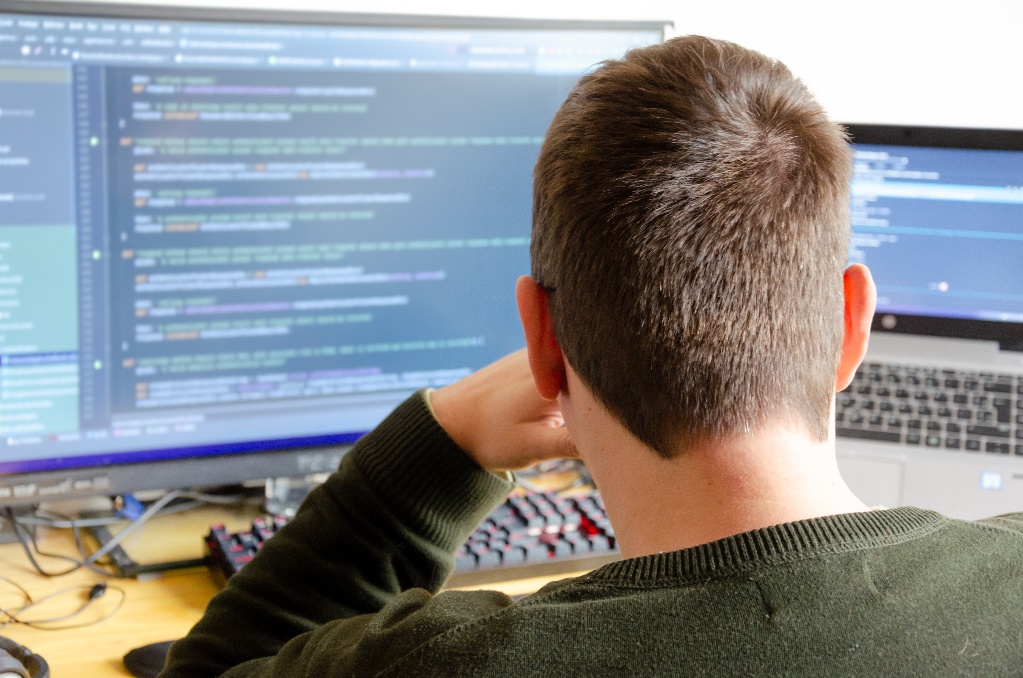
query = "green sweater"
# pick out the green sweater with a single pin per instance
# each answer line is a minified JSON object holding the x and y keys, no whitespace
{"x":348,"y":588}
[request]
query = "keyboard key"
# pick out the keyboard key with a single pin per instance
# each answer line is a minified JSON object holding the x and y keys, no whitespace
{"x":1003,"y":410}
{"x":997,"y":448}
{"x":514,"y":555}
{"x":553,"y":518}
{"x":573,"y":540}
{"x":521,"y":537}
{"x":992,"y":431}
{"x":868,"y":434}
{"x":562,"y":549}
{"x":538,"y":553}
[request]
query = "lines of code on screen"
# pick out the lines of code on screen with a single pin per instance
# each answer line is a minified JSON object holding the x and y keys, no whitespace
{"x":302,"y":234}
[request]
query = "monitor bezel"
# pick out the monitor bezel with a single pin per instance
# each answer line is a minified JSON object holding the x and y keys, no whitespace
{"x":316,"y":17}
{"x":1009,"y":335}
{"x":249,"y":460}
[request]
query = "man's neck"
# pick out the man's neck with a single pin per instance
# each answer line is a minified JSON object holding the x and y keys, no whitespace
{"x":711,"y":491}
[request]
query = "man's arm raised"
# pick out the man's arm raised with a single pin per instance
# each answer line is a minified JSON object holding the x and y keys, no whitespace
{"x":386,"y":522}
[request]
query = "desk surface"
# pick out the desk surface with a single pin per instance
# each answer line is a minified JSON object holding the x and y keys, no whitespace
{"x":154,"y":610}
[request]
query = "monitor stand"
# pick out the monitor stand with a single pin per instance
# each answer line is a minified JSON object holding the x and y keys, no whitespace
{"x":285,"y":495}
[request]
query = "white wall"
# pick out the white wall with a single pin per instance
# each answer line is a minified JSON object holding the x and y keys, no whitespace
{"x":930,"y":62}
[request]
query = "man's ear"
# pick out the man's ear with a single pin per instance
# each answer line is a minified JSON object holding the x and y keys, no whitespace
{"x":860,"y":300}
{"x":545,"y":359}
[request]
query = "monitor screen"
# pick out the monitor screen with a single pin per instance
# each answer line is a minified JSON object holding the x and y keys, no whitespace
{"x":231,"y":243}
{"x":937,"y":214}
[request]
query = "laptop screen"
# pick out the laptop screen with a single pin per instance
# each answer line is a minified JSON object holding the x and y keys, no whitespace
{"x":937,"y":215}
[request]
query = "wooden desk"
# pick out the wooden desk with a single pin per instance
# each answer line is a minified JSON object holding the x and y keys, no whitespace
{"x":154,"y":610}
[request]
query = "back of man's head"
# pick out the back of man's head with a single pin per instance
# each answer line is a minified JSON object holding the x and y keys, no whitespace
{"x":691,"y":227}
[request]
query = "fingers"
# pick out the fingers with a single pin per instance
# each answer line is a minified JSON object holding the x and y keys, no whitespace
{"x":499,"y":418}
{"x":552,"y":443}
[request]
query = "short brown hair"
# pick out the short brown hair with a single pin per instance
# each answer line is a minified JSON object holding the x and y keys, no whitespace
{"x":691,"y":223}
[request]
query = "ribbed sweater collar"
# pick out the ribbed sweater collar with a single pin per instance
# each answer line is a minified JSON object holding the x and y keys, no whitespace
{"x":778,"y":543}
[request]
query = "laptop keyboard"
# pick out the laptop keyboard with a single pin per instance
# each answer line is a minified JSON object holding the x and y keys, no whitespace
{"x":979,"y":412}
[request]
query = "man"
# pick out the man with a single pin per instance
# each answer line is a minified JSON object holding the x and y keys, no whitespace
{"x":689,"y":320}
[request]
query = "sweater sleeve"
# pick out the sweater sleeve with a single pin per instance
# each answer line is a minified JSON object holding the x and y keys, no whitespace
{"x":387,"y":521}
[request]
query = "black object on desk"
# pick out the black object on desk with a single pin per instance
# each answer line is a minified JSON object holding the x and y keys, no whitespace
{"x":147,"y":661}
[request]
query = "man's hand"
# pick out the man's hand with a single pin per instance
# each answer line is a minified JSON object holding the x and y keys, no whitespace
{"x":499,"y":419}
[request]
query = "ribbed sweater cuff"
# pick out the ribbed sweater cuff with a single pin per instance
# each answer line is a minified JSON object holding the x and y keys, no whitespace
{"x":424,"y":477}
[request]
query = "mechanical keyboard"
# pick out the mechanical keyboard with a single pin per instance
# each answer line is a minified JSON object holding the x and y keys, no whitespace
{"x":949,"y":409}
{"x":529,"y":535}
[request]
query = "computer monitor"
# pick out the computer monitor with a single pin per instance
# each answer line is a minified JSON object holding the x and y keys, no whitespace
{"x":232,"y":241}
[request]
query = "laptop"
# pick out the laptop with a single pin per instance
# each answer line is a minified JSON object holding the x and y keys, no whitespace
{"x":935,"y":417}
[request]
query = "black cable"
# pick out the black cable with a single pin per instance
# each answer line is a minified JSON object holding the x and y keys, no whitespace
{"x":94,"y":593}
{"x":24,"y":592}
{"x":169,"y":503}
{"x":24,"y":541}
